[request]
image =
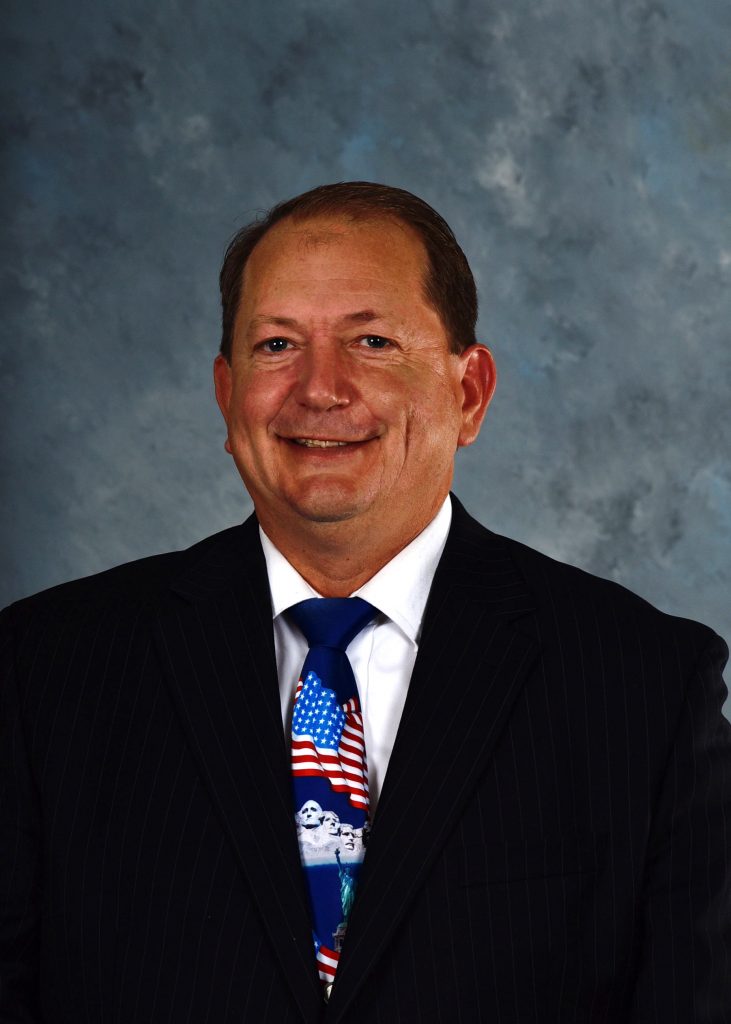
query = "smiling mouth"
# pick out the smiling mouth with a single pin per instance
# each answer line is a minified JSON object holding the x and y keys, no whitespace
{"x":309,"y":442}
{"x":321,"y":443}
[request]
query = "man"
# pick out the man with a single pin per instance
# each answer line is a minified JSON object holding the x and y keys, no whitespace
{"x":548,"y":834}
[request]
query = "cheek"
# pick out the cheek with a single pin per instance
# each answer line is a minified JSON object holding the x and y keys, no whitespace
{"x":431,"y":436}
{"x":400,"y":402}
{"x":434,"y":417}
{"x":253,"y":406}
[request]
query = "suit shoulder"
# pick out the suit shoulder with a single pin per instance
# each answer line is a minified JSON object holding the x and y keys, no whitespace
{"x":561,"y":592}
{"x":561,"y":584}
{"x":136,"y":584}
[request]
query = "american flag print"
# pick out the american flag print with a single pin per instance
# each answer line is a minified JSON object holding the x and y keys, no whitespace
{"x":327,"y":739}
{"x":327,"y":964}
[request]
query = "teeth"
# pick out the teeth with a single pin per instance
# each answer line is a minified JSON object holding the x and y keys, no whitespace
{"x":308,"y":442}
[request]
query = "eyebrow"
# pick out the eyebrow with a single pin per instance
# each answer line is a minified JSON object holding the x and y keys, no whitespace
{"x":362,"y":316}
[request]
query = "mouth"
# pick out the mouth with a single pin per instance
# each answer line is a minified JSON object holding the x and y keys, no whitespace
{"x":311,"y":442}
{"x":322,"y":444}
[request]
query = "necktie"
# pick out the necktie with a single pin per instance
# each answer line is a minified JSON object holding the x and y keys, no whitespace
{"x":329,"y":770}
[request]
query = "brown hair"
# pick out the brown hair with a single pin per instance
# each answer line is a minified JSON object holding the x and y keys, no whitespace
{"x":449,"y":286}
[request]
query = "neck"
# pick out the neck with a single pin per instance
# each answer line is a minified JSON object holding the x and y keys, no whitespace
{"x":338,"y":558}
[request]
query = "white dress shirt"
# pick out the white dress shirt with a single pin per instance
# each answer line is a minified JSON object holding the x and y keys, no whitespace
{"x":383,"y":654}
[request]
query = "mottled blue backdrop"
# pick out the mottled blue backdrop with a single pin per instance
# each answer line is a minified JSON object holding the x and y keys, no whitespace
{"x":580,"y":149}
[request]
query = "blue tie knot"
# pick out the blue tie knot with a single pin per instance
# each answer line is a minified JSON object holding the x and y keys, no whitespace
{"x":332,"y":621}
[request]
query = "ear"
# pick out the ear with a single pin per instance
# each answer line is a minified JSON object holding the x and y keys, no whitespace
{"x":223,"y":383}
{"x":479,"y":377}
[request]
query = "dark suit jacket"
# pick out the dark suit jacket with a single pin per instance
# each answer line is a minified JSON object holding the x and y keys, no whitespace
{"x":551,"y":844}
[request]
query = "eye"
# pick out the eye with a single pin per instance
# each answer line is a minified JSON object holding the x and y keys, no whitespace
{"x":374,"y":341}
{"x":275,"y":345}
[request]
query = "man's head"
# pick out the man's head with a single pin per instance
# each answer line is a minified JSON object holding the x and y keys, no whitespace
{"x":331,"y":823}
{"x":347,"y":836}
{"x":448,"y":282}
{"x":309,"y":814}
{"x":346,"y":395}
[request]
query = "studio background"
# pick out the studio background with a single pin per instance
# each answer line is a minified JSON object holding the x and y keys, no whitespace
{"x":580,"y":149}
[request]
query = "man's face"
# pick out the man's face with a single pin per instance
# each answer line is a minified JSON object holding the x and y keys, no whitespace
{"x":310,"y":814}
{"x":342,"y":399}
{"x":348,"y":837}
{"x":331,"y":823}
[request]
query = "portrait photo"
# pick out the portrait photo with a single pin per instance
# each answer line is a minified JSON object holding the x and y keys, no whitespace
{"x":366,"y":534}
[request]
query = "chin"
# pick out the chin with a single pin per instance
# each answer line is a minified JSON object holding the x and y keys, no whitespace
{"x":325,"y":513}
{"x":319,"y":507}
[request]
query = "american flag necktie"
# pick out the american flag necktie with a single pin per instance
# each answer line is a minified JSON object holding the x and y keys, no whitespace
{"x":329,"y":770}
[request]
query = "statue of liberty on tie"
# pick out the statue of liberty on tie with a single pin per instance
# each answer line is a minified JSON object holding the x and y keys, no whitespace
{"x":347,"y":889}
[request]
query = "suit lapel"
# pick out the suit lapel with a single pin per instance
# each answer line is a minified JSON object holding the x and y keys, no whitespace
{"x":471,"y":664}
{"x":215,"y":639}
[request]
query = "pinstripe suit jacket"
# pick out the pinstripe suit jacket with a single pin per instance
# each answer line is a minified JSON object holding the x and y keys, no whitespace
{"x":551,"y":844}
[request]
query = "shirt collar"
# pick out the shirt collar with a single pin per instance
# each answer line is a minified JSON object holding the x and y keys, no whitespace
{"x":400,"y":589}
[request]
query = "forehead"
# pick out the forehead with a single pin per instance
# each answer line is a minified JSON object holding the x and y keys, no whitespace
{"x":320,"y":253}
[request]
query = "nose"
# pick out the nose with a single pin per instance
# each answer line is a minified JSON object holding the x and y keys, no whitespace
{"x":323,"y":381}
